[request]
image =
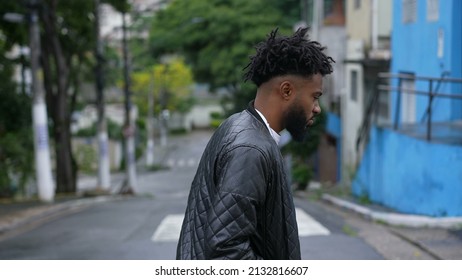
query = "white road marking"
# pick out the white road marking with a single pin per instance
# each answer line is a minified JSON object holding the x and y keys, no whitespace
{"x":170,"y":227}
{"x":191,"y":162}
{"x":308,"y":226}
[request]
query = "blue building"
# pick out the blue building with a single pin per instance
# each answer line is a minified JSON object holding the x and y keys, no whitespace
{"x":413,"y":162}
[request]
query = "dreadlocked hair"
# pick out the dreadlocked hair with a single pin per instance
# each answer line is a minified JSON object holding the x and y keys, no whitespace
{"x":282,"y":55}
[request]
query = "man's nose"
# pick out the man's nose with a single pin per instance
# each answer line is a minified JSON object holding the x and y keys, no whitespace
{"x":317,"y":109}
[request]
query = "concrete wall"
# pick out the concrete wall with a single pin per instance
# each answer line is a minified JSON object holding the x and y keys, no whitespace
{"x":198,"y":117}
{"x":358,"y":49}
{"x":385,"y":16}
{"x":334,"y":38}
{"x":86,"y":152}
{"x":89,"y":115}
{"x":411,"y":175}
{"x":352,"y":116}
{"x":358,"y":21}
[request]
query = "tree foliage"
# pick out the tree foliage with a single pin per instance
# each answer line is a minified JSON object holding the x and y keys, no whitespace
{"x":171,"y":81}
{"x":218,"y":36}
{"x":67,"y":44}
{"x":16,"y":146}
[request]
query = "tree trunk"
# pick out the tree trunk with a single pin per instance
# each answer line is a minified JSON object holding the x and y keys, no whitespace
{"x":55,"y":60}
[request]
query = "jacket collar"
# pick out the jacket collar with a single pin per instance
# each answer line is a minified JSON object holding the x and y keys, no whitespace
{"x":251,"y":109}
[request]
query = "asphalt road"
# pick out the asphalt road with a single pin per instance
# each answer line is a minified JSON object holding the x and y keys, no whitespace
{"x":146,"y":226}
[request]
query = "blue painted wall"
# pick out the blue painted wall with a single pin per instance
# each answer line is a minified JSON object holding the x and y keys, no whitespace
{"x":334,"y":125}
{"x":456,"y":52}
{"x":334,"y":128}
{"x":411,"y":175}
{"x":414,"y":50}
{"x":404,"y":173}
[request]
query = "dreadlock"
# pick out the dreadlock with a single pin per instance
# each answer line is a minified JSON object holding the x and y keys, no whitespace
{"x":282,"y":55}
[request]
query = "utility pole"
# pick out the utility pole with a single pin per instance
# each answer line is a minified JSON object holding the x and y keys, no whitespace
{"x":129,"y":127}
{"x":45,"y":184}
{"x":103,"y":166}
{"x":150,"y":126}
{"x":164,"y":114}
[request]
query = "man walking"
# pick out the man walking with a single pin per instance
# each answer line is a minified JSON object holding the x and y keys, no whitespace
{"x":240,"y":205}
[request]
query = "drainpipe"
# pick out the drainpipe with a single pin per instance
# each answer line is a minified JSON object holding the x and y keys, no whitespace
{"x":315,"y":24}
{"x":375,"y":25}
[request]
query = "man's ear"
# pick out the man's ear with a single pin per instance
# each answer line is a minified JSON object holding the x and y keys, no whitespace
{"x":286,"y":90}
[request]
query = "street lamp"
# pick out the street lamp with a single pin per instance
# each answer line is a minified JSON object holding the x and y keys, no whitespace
{"x":44,"y":178}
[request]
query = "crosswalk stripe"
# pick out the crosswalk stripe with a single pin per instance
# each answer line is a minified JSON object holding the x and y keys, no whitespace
{"x":182,"y":162}
{"x":308,"y":226}
{"x":170,"y":227}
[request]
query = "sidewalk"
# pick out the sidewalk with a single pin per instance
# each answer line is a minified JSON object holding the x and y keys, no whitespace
{"x":393,"y":218}
{"x":441,"y":238}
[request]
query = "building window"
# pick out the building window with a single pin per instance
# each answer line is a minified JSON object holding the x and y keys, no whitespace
{"x":440,"y":51}
{"x":384,"y":106}
{"x":408,"y":99}
{"x":409,"y":11}
{"x":433,"y":10}
{"x":357,"y":4}
{"x":354,"y":85}
{"x":334,"y":12}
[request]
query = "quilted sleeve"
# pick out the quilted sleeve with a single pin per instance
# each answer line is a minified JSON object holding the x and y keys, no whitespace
{"x":241,"y":177}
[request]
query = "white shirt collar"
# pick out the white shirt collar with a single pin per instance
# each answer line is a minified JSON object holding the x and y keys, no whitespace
{"x":273,"y":133}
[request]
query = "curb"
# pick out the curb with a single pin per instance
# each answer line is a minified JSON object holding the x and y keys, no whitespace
{"x":414,"y":221}
{"x":47,"y":211}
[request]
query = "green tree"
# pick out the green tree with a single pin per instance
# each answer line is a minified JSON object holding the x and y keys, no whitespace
{"x":172,"y":81}
{"x":141,"y":56}
{"x":218,"y":36}
{"x":16,"y":146}
{"x":67,"y":43}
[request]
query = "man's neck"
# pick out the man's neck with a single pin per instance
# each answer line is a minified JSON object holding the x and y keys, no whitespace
{"x":276,"y":137}
{"x":269,"y":111}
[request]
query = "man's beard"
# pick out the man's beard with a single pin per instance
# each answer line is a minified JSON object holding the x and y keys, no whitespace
{"x":296,"y":123}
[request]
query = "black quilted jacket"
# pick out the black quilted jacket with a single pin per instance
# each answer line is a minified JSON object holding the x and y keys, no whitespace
{"x":240,"y":205}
